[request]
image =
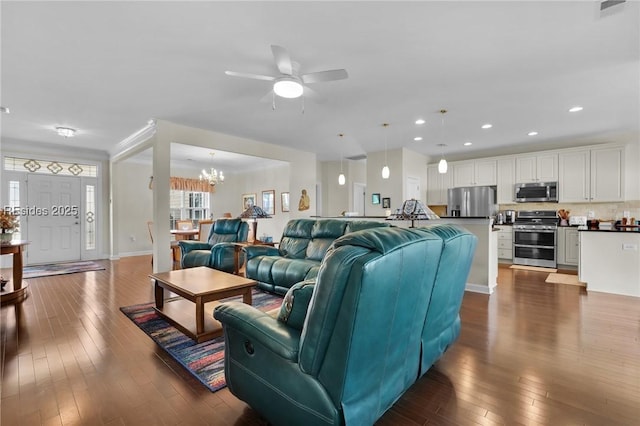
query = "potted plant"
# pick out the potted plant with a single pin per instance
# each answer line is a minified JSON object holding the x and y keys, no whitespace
{"x":8,"y":225}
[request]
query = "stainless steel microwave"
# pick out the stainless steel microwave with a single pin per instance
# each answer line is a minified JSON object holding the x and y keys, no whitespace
{"x":536,"y":192}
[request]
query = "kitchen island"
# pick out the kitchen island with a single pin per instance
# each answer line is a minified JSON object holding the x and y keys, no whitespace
{"x":610,"y":260}
{"x":483,"y":276}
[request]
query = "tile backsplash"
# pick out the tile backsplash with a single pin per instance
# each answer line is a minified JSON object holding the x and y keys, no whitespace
{"x":601,"y":211}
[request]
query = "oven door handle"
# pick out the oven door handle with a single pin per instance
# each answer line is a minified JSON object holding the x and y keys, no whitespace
{"x":540,"y":231}
{"x":535,"y":246}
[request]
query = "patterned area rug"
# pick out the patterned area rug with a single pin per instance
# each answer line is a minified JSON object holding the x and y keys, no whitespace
{"x":60,"y":269}
{"x":205,"y":361}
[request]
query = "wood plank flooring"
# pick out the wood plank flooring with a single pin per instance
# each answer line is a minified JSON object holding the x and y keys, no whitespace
{"x":532,"y":353}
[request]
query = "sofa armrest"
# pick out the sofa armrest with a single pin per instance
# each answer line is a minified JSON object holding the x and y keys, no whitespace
{"x":186,"y":246}
{"x":253,"y":251}
{"x":261,"y":327}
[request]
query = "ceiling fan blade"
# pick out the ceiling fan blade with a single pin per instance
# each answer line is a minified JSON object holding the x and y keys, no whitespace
{"x":313,"y":95}
{"x":249,"y":75}
{"x":283,"y":60}
{"x":331,"y":75}
{"x":268,"y":97}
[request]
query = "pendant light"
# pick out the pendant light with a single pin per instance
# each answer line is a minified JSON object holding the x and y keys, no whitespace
{"x":442,"y":165}
{"x":341,"y":178}
{"x":385,"y":169}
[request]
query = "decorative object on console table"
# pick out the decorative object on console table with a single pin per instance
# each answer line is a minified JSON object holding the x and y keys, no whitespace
{"x":268,"y":201}
{"x":284,"y":201}
{"x":8,"y":225}
{"x":413,"y":210}
{"x":255,"y":213}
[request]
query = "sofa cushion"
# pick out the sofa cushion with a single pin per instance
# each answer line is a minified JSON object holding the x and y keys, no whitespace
{"x":287,"y":272}
{"x":295,"y":303}
{"x":323,"y":233}
{"x":295,"y":238}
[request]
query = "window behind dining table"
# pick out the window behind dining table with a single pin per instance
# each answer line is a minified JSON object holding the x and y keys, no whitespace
{"x":189,"y":205}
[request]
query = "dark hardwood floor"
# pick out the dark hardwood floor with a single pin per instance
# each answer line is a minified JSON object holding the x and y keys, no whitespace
{"x":530,"y":354}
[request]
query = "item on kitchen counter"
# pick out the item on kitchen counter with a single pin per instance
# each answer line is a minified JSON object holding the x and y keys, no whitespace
{"x":509,"y":216}
{"x":577,"y":220}
{"x":564,"y":217}
{"x":593,"y":224}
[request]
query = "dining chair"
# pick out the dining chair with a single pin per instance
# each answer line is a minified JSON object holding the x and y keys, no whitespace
{"x":204,"y":227}
{"x":184,"y":224}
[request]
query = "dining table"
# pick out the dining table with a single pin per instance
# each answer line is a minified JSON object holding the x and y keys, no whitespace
{"x":185,"y":234}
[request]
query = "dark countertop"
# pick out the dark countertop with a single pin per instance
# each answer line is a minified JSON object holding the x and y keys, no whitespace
{"x":632,"y":229}
{"x":465,"y":217}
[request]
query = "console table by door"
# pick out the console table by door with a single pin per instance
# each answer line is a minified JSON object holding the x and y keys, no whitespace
{"x":14,"y":291}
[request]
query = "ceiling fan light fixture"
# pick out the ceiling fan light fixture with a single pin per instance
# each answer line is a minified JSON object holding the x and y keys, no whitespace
{"x":288,"y":87}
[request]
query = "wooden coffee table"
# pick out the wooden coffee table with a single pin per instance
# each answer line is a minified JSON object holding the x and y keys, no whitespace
{"x":200,"y":286}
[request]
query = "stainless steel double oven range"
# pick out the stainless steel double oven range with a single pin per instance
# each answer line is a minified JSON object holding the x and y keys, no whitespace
{"x":535,"y":238}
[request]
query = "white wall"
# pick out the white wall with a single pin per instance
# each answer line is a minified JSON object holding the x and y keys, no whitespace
{"x":392,"y":187}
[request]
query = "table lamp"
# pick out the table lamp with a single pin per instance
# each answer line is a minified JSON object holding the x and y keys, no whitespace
{"x":413,"y":210}
{"x":255,"y":213}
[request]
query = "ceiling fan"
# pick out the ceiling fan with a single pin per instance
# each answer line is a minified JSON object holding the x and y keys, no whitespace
{"x":290,"y":84}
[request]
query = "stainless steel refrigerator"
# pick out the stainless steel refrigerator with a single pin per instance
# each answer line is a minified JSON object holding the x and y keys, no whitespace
{"x":472,"y":201}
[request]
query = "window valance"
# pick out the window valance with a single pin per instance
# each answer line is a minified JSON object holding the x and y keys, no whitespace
{"x":187,"y":184}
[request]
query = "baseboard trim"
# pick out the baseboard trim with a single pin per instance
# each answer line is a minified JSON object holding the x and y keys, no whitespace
{"x":134,"y":253}
{"x":478,"y":288}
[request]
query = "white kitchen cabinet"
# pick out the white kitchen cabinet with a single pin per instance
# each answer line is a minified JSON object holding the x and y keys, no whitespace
{"x":505,"y":179}
{"x":568,"y":247}
{"x":591,"y":175}
{"x":505,"y":242}
{"x":607,"y":174}
{"x":474,"y":173}
{"x":537,"y":168}
{"x":572,"y":246}
{"x":437,"y":185}
{"x":574,"y":176}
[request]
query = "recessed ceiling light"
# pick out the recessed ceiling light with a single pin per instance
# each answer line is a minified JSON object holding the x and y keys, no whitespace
{"x":5,"y":110}
{"x":417,"y":138}
{"x":420,"y":121}
{"x":532,"y":133}
{"x":487,"y":126}
{"x":67,"y":132}
{"x":468,"y":143}
{"x":575,"y":109}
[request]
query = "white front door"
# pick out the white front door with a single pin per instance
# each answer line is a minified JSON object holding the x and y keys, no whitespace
{"x":53,"y":227}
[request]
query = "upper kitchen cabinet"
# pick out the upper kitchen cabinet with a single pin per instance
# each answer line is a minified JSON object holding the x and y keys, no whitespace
{"x":541,"y":167}
{"x":506,"y":178}
{"x":595,"y":174}
{"x":474,"y":173}
{"x":437,"y":185}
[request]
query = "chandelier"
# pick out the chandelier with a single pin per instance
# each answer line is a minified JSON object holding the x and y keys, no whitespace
{"x":213,"y":177}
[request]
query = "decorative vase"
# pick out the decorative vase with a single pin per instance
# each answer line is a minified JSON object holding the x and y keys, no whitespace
{"x":6,"y":237}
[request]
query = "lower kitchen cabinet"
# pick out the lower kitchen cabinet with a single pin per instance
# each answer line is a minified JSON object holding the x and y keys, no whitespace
{"x":505,"y":242}
{"x":568,"y":247}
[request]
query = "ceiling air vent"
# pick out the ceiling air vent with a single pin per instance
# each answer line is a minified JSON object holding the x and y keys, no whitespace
{"x":357,"y":157}
{"x":606,"y":4}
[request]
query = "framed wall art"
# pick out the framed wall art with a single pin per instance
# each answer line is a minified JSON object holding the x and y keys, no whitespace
{"x":386,"y":203}
{"x":268,"y":201}
{"x":248,"y":200}
{"x":284,"y":200}
{"x":375,"y":198}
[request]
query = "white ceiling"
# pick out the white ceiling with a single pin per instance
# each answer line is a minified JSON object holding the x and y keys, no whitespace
{"x":106,"y":68}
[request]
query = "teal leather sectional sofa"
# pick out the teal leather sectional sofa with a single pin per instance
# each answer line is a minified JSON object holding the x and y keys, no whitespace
{"x":302,"y":247}
{"x":345,"y":346}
